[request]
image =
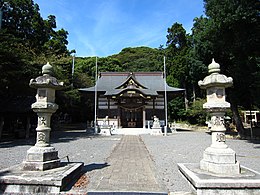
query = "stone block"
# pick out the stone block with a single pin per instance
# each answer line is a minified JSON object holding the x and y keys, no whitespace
{"x":224,"y":169}
{"x":220,"y":160}
{"x":105,"y":131}
{"x":207,"y":183}
{"x":41,"y":166}
{"x":16,"y":180}
{"x":41,"y":158}
{"x":156,"y":131}
{"x":221,"y":156}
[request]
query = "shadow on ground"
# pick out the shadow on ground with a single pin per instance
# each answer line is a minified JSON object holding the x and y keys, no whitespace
{"x":82,"y":181}
{"x":94,"y":166}
{"x":55,"y":137}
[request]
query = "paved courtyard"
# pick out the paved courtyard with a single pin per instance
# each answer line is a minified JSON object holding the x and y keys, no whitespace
{"x":131,"y":163}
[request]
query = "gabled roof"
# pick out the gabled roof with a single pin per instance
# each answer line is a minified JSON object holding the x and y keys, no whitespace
{"x":142,"y":91}
{"x":152,"y":83}
{"x":131,"y":80}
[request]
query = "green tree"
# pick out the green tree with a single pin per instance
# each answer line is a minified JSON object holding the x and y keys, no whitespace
{"x":140,"y":59}
{"x":230,"y":34}
{"x":178,"y":47}
{"x":57,"y":44}
{"x":196,"y":114}
{"x":23,"y":37}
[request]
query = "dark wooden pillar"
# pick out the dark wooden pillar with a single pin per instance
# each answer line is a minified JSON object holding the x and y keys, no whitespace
{"x":153,"y":106}
{"x":28,"y":126}
{"x":108,"y":107}
{"x":1,"y":125}
{"x":119,"y":117}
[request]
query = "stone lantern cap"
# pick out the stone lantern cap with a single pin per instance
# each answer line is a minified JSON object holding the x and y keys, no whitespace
{"x":215,"y":79}
{"x":46,"y":81}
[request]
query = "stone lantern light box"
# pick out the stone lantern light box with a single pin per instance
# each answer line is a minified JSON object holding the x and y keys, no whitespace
{"x":46,"y":85}
{"x":215,"y":85}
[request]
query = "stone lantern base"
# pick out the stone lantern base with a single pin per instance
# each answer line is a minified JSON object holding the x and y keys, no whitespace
{"x":105,"y":130}
{"x":156,"y":131}
{"x":16,"y":180}
{"x":206,"y":183}
{"x":220,"y":161}
{"x":41,"y":159}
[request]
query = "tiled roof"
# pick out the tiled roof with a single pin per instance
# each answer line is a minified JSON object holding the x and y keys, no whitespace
{"x":109,"y":82}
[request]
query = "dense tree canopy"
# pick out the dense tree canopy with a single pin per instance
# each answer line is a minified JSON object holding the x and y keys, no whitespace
{"x":27,"y":42}
{"x":229,"y":32}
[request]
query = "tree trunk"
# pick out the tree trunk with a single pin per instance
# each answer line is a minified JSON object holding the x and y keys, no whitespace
{"x":237,"y":119}
{"x":1,"y":126}
{"x":185,"y":97}
{"x":194,"y":93}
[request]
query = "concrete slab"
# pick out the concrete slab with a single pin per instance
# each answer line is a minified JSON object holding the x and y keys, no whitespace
{"x":131,"y":131}
{"x":205,"y":183}
{"x":126,"y":193}
{"x":130,"y":169}
{"x":15,"y":180}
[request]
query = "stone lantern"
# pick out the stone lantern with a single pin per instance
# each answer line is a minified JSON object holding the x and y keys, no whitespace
{"x":42,"y":156}
{"x":42,"y":172}
{"x":219,"y":172}
{"x":218,"y":158}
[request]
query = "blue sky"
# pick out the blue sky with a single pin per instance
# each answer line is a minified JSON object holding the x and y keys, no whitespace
{"x":104,"y":27}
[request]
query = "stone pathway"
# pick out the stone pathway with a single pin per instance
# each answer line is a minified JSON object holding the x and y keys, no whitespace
{"x":130,"y":169}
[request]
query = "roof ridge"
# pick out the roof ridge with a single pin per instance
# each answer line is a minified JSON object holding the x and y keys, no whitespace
{"x":128,"y":73}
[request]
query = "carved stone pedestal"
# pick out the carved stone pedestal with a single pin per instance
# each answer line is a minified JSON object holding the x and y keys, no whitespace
{"x":156,"y":128}
{"x":41,"y":158}
{"x":105,"y":131}
{"x":219,"y":158}
{"x":156,"y":131}
{"x":221,"y":161}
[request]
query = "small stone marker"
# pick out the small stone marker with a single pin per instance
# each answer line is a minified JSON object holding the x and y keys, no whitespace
{"x":105,"y":128}
{"x":156,"y":128}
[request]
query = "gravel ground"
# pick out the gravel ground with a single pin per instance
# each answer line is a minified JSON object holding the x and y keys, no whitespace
{"x":180,"y":147}
{"x":77,"y":145}
{"x":188,"y":147}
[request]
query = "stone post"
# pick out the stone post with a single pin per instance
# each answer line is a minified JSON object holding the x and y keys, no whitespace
{"x":42,"y":155}
{"x":105,"y":128}
{"x":156,"y":128}
{"x":218,"y":158}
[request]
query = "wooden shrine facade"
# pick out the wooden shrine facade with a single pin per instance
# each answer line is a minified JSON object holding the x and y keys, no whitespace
{"x":131,"y":99}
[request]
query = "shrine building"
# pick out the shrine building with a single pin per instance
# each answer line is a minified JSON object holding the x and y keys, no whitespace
{"x":131,"y":99}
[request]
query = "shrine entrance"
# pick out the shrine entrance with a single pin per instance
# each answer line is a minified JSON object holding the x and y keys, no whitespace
{"x":131,"y":118}
{"x":131,"y":109}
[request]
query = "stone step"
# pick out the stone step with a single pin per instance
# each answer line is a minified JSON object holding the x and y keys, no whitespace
{"x":127,"y":193}
{"x":181,"y":193}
